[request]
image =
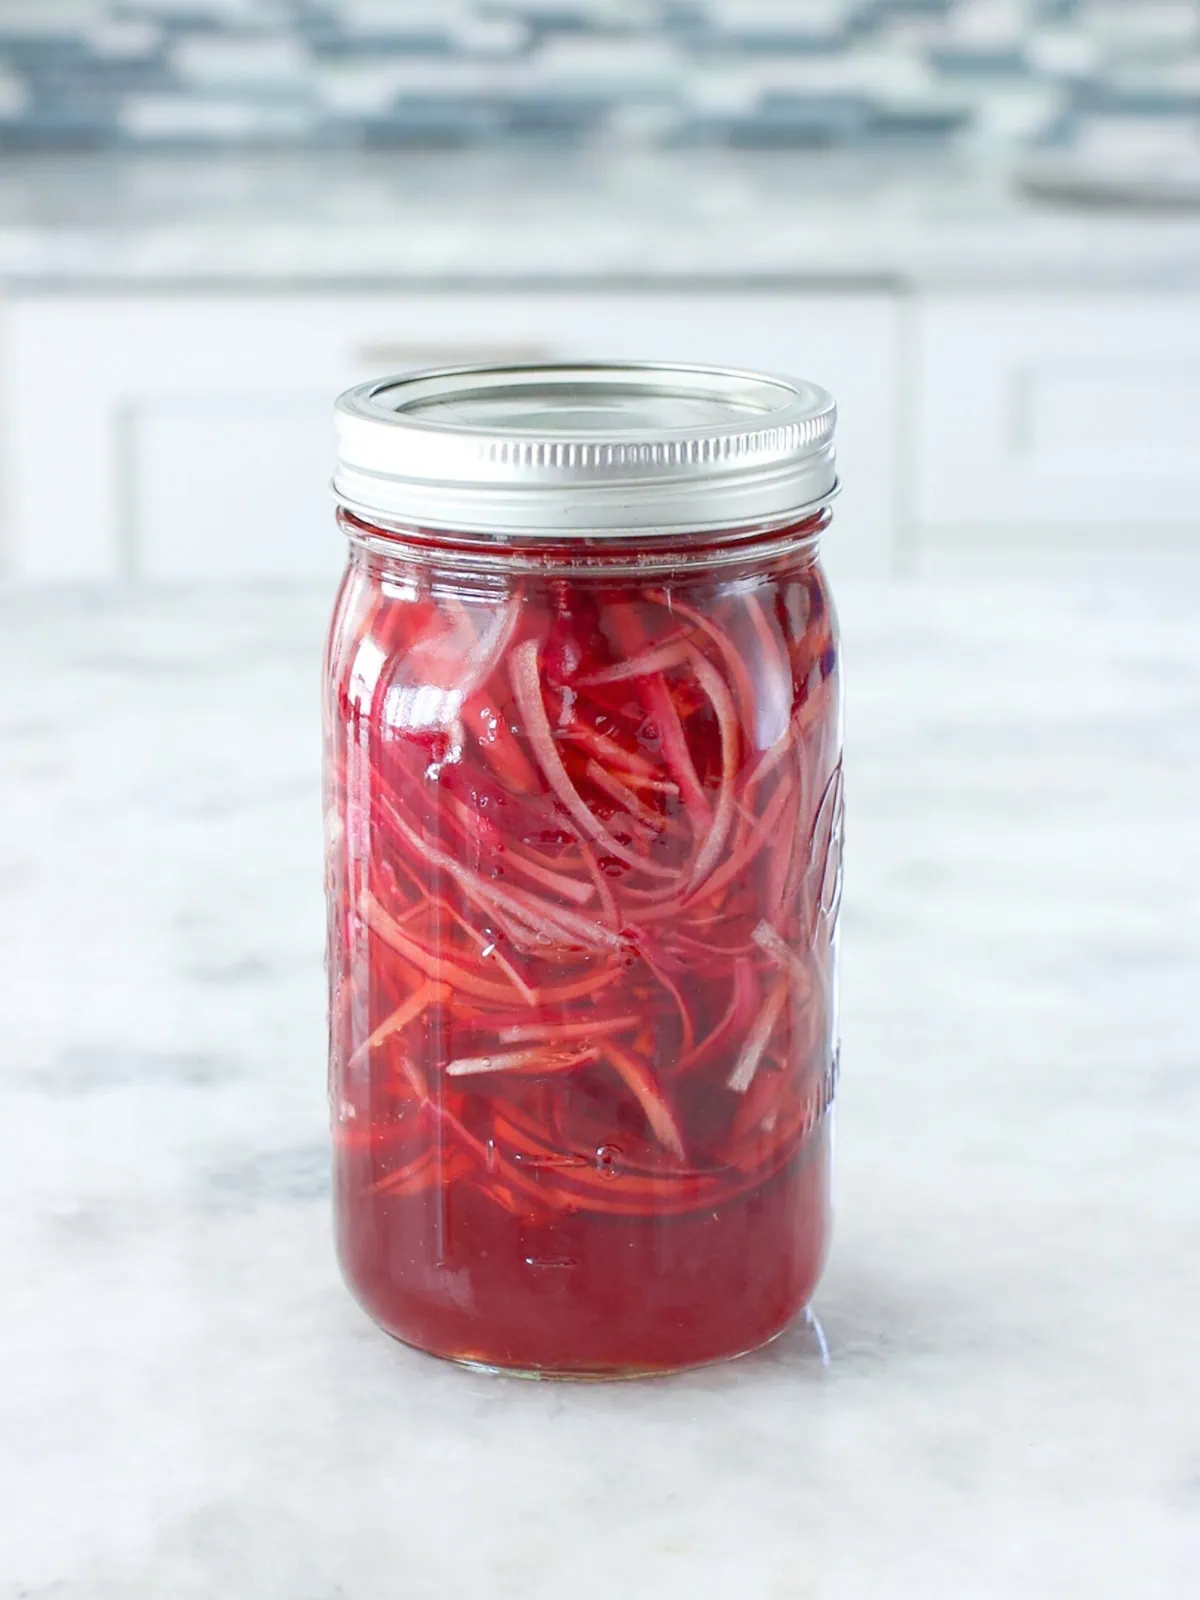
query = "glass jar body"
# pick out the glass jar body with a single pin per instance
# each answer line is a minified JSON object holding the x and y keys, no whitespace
{"x":583,"y":868}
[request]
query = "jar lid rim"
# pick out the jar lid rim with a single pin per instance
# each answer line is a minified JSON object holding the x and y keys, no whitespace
{"x":626,"y":446}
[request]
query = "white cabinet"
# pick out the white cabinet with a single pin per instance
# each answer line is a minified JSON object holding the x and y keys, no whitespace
{"x":180,"y":437}
{"x":1057,"y":419}
{"x":185,"y":437}
{"x":229,"y":487}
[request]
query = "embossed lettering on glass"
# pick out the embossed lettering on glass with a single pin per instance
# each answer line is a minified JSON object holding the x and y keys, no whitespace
{"x":584,"y":810}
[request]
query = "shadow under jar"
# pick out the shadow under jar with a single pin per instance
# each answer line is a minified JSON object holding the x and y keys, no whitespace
{"x":584,"y":822}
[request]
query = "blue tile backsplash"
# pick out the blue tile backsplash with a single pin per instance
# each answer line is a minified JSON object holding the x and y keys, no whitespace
{"x":82,"y":74}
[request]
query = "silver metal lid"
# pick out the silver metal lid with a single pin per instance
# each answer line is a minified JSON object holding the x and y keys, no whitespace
{"x":609,"y":449}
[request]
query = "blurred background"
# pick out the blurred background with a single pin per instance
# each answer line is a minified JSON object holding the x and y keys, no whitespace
{"x":972,"y":219}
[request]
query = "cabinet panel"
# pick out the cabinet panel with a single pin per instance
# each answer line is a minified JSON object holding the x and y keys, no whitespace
{"x":179,"y":437}
{"x":231,"y":488}
{"x":1039,"y":413}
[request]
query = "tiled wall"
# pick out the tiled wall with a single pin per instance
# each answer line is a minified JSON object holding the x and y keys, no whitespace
{"x":355,"y":73}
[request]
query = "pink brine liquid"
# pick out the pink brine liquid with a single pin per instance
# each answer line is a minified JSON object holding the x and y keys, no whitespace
{"x":584,"y":862}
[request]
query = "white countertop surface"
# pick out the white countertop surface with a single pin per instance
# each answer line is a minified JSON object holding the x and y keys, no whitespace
{"x":192,"y":1407}
{"x":616,"y":217}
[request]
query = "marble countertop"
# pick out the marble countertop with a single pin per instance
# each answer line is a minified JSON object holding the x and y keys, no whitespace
{"x":1008,"y":1404}
{"x":521,"y":218}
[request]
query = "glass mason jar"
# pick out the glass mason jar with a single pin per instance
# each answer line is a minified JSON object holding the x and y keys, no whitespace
{"x":584,"y":822}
